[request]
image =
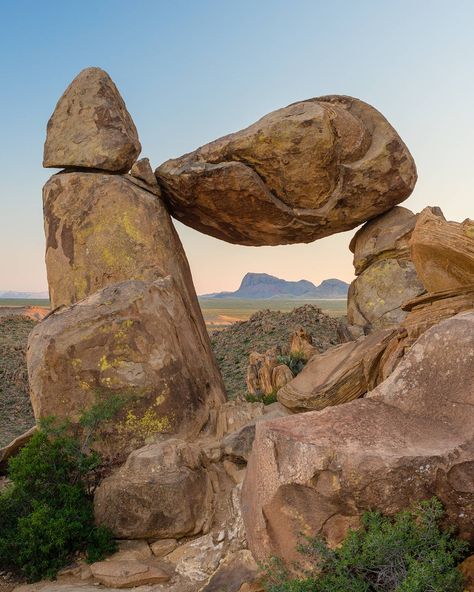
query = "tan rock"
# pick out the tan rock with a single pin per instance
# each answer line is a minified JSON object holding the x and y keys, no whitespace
{"x":377,"y":295}
{"x":424,"y":312}
{"x":91,"y":127}
{"x":342,"y":373}
{"x":303,"y":172}
{"x":443,"y":252}
{"x":131,"y":551}
{"x":281,"y":375}
{"x":142,"y":170}
{"x":467,"y":570}
{"x":301,"y":344}
{"x":384,"y":237}
{"x":128,"y":574}
{"x":410,"y":439}
{"x":134,"y":344}
{"x":235,"y":570}
{"x":162,"y":491}
{"x":163,"y":547}
{"x":234,"y":414}
{"x":199,"y":558}
{"x":260,"y":371}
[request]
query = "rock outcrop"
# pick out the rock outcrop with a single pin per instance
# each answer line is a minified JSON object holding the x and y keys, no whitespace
{"x":91,"y":127}
{"x":341,"y":374}
{"x":135,"y":345}
{"x":386,"y":276}
{"x":412,"y":438}
{"x":303,"y":172}
{"x":443,"y":252}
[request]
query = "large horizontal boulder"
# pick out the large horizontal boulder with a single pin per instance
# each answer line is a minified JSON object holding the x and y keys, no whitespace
{"x":410,"y":439}
{"x":91,"y":127}
{"x":342,"y":373}
{"x":133,"y":346}
{"x":387,"y":277}
{"x":303,"y":172}
{"x":162,"y":491}
{"x":443,"y":252}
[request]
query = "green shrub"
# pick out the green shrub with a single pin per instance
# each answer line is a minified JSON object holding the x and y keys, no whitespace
{"x":408,"y":553}
{"x":46,"y":514}
{"x":266,"y":399}
{"x":295,"y":361}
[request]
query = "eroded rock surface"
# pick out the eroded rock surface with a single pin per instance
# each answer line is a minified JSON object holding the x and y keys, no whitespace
{"x":387,"y":277}
{"x":412,"y":438}
{"x":339,"y":375}
{"x":134,"y":343}
{"x":443,"y":252}
{"x":91,"y":127}
{"x":303,"y":172}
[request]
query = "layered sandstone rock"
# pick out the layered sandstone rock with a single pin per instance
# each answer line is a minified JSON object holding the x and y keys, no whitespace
{"x":128,"y":574}
{"x":162,"y":491}
{"x":303,"y":172}
{"x":91,"y":127}
{"x":265,"y":373}
{"x":443,"y":252}
{"x":134,"y":344}
{"x":341,"y":374}
{"x":387,"y":277}
{"x":412,"y":438}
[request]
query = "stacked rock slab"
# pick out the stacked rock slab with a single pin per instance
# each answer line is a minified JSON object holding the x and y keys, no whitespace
{"x":127,"y":324}
{"x":303,"y":172}
{"x":412,"y":438}
{"x":386,"y":275}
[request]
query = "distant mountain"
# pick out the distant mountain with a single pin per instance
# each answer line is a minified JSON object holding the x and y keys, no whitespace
{"x":25,"y":295}
{"x":262,"y":285}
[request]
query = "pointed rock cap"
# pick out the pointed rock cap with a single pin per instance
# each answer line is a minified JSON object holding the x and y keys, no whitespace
{"x":91,"y":127}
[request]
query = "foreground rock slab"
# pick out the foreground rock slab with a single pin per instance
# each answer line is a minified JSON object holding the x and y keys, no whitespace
{"x":135,"y":345}
{"x":128,"y":574}
{"x":339,"y":375}
{"x":91,"y":127}
{"x":303,"y":172}
{"x":412,"y":438}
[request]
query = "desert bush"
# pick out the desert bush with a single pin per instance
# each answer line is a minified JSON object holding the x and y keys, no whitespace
{"x":407,"y":553}
{"x":46,"y":513}
{"x":295,"y":361}
{"x":266,"y":399}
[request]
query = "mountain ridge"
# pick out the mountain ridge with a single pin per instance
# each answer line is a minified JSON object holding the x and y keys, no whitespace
{"x":264,"y":286}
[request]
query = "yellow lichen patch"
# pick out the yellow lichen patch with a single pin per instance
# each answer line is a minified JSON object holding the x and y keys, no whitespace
{"x":146,"y":426}
{"x":131,"y":230}
{"x":105,"y":364}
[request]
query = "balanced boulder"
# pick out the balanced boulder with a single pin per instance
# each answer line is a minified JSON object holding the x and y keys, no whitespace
{"x":443,"y":252}
{"x":91,"y":127}
{"x":410,"y":439}
{"x":341,"y":374}
{"x":303,"y":172}
{"x":134,"y":346}
{"x":387,"y":277}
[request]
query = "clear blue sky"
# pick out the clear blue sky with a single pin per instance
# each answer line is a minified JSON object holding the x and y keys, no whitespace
{"x":191,"y":71}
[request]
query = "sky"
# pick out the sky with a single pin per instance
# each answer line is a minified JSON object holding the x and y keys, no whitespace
{"x":192,"y":71}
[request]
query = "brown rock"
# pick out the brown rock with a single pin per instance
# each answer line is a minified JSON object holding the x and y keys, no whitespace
{"x":163,"y":547}
{"x":199,"y":558}
{"x":91,"y":127}
{"x":467,"y":570}
{"x":303,"y":172}
{"x":376,"y":296}
{"x":386,"y":275}
{"x":235,"y":570}
{"x":281,"y":375}
{"x":424,"y":312}
{"x":384,"y":237}
{"x":131,"y":551}
{"x":142,"y":170}
{"x":301,"y":344}
{"x":234,"y":414}
{"x":412,"y":438}
{"x":342,"y":373}
{"x":162,"y":491}
{"x":135,"y":344}
{"x":128,"y":574}
{"x":443,"y":252}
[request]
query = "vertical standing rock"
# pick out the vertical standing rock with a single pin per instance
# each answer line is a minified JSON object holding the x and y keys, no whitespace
{"x":386,"y":277}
